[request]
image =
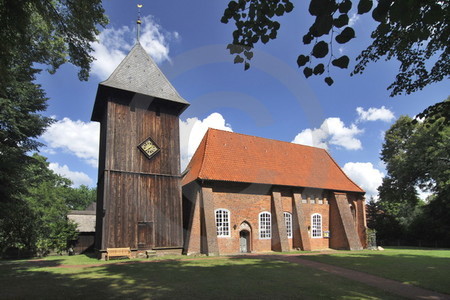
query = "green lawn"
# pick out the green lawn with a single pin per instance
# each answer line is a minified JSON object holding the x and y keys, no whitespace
{"x":202,"y":278}
{"x":427,"y":268}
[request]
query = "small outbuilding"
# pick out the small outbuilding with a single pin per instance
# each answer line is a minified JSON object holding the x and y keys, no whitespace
{"x":85,"y":220}
{"x":244,"y":193}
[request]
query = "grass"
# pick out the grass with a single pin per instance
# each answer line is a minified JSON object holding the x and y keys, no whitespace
{"x":91,"y":259}
{"x":427,"y":268}
{"x":201,"y":278}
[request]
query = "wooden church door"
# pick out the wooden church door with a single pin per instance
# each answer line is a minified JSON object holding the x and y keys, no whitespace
{"x":145,"y":235}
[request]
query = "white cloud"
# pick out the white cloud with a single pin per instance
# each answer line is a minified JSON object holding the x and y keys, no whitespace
{"x":375,"y":114}
{"x":192,"y":131}
{"x":353,"y":19}
{"x":332,"y":131}
{"x":315,"y":137}
{"x":382,"y":135}
{"x":75,"y":137}
{"x":365,"y":175}
{"x":48,"y":151}
{"x":420,"y":120}
{"x":78,"y":178}
{"x":423,"y":194}
{"x":114,"y":45}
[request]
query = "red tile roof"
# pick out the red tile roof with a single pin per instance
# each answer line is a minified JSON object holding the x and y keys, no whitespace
{"x":229,"y":156}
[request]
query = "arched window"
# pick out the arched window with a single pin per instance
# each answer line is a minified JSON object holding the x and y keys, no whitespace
{"x":288,"y":222}
{"x":265,"y":225}
{"x":222,"y":222}
{"x":316,"y":226}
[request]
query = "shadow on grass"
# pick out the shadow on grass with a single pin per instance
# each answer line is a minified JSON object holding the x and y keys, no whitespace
{"x":11,"y":267}
{"x":427,"y":268}
{"x":222,"y":278}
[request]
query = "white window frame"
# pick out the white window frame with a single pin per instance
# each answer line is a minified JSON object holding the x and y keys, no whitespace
{"x":265,"y":225}
{"x":288,"y":223}
{"x":316,"y":226}
{"x":222,"y":218}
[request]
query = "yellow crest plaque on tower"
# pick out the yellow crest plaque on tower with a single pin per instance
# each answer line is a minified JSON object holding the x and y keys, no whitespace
{"x":149,"y":148}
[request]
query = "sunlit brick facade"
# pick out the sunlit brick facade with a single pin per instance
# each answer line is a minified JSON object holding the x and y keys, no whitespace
{"x":248,"y":194}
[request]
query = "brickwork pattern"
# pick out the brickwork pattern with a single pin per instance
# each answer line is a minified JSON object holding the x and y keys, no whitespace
{"x":193,"y":234}
{"x":245,"y":203}
{"x":301,"y":230}
{"x":207,"y":208}
{"x":243,"y":208}
{"x":279,"y":236}
{"x":348,"y":221}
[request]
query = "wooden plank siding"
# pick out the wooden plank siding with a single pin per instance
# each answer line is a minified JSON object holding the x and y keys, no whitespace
{"x":139,"y":192}
{"x":101,"y":186}
{"x":127,"y":129}
{"x":143,"y":198}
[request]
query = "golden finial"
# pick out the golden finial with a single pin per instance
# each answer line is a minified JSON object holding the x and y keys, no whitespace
{"x":139,"y":21}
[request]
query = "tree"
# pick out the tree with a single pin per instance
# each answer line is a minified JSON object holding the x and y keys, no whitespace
{"x":46,"y":199}
{"x":372,"y":212}
{"x":417,"y":155}
{"x":19,"y":124}
{"x":37,"y":222}
{"x":383,"y":223}
{"x":36,"y":34}
{"x":80,"y":198}
{"x":49,"y":33}
{"x":415,"y":32}
{"x":438,"y":111}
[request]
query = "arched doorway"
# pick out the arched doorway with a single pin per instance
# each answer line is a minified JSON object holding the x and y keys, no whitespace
{"x":244,"y":241}
{"x":245,"y":238}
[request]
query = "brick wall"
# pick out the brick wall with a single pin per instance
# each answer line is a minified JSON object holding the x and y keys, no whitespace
{"x":338,"y":240}
{"x":360,"y":207}
{"x":244,"y":206}
{"x":246,"y":201}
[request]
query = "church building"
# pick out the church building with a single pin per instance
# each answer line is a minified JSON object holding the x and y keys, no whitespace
{"x":244,"y":194}
{"x":239,"y":193}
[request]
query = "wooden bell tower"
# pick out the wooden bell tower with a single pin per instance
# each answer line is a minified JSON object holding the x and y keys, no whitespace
{"x":139,"y":183}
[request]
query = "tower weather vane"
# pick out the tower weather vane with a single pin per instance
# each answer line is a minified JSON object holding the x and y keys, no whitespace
{"x":138,"y":22}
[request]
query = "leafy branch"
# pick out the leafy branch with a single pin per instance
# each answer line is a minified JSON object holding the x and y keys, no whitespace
{"x":415,"y":32}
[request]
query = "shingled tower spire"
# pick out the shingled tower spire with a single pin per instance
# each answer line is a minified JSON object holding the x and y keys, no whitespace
{"x":139,"y":189}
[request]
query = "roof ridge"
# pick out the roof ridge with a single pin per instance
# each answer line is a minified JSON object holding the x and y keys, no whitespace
{"x":205,"y":137}
{"x":193,"y":166}
{"x":270,"y":139}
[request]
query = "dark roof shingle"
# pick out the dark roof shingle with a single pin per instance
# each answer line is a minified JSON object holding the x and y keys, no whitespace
{"x":137,"y":74}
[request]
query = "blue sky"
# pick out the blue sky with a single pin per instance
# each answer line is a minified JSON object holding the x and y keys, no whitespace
{"x":272,"y":99}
